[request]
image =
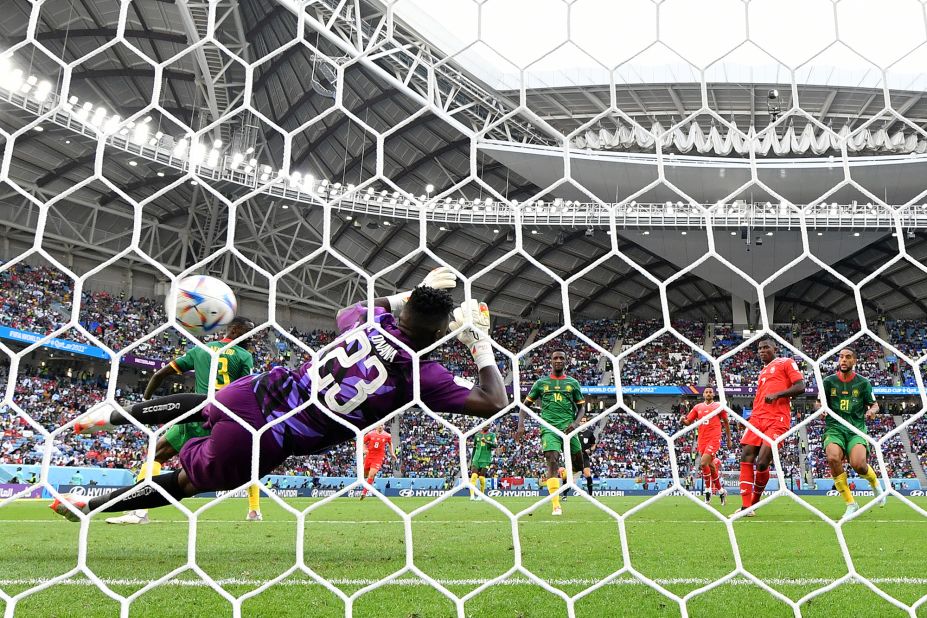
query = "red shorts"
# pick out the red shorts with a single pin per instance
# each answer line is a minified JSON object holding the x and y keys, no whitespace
{"x":373,"y":465}
{"x":708,"y":448}
{"x":772,"y":426}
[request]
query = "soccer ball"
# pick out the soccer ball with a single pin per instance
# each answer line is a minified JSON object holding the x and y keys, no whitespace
{"x":204,"y":304}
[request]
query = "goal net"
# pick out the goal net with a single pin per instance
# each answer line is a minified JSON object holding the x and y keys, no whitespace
{"x":655,"y":190}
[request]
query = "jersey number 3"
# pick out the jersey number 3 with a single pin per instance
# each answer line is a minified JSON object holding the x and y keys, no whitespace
{"x":364,"y":388}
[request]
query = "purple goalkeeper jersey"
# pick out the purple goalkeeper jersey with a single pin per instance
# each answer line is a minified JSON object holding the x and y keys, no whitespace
{"x":363,"y":379}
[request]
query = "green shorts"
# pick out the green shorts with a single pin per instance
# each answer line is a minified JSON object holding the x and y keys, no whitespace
{"x":181,"y":433}
{"x":552,"y":442}
{"x":844,"y":438}
{"x":478,"y":464}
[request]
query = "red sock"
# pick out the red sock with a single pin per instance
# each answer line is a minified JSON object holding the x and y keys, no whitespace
{"x":746,"y":483}
{"x":716,"y":480}
{"x":706,"y":478}
{"x":759,"y":485}
{"x":364,"y":493}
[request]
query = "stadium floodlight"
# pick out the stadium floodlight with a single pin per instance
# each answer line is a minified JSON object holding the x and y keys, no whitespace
{"x":237,"y":160}
{"x":429,"y":188}
{"x":42,"y":91}
{"x":140,"y":133}
{"x":180,"y":148}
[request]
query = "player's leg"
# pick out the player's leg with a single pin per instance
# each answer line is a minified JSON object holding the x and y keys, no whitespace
{"x":859,"y":453}
{"x":587,"y":471}
{"x":705,"y":461}
{"x":482,"y":474}
{"x":254,"y":503}
{"x":164,"y":451}
{"x":474,"y":479}
{"x":716,"y":484}
{"x":764,"y":459}
{"x":371,"y":468}
{"x":834,"y":452}
{"x":221,"y":460}
{"x":156,"y":411}
{"x":551,"y":447}
{"x":748,"y":452}
{"x":552,"y":459}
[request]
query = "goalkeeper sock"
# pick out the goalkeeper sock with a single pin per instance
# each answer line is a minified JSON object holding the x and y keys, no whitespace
{"x":746,"y":484}
{"x":759,"y":484}
{"x":553,"y":484}
{"x":473,"y":480}
{"x":161,"y":410}
{"x":254,"y":497}
{"x":872,"y":478}
{"x":841,"y":485}
{"x":589,"y":485}
{"x":706,"y":478}
{"x":483,"y":484}
{"x":143,"y":498}
{"x":155,"y":470}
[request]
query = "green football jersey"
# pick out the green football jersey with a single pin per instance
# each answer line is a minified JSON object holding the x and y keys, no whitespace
{"x":235,"y":362}
{"x":483,"y":444}
{"x":559,"y":399}
{"x":849,"y":400}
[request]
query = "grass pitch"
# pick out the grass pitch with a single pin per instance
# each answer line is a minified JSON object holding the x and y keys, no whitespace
{"x":462,"y":544}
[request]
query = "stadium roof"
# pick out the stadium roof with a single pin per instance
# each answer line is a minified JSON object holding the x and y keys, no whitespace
{"x":293,"y":89}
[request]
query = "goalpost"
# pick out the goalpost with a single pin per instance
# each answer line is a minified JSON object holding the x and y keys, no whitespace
{"x":376,"y":37}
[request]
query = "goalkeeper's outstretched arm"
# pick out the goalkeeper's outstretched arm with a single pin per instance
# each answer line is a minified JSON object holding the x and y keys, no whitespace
{"x":489,"y":396}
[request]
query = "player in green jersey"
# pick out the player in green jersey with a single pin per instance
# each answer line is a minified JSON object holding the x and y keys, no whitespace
{"x":234,"y":362}
{"x":562,"y":404}
{"x":849,"y":396}
{"x":483,"y":445}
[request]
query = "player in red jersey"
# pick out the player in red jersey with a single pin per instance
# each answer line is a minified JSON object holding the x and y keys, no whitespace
{"x":716,"y":484}
{"x":779,"y":381}
{"x":374,"y":451}
{"x":709,"y":440}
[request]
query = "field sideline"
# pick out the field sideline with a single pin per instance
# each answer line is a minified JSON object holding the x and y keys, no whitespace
{"x":463,"y":544}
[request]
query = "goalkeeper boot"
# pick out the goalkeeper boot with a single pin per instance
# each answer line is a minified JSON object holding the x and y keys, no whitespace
{"x":851,"y":508}
{"x":60,"y":507}
{"x":139,"y":517}
{"x":254,"y":516}
{"x":94,"y":420}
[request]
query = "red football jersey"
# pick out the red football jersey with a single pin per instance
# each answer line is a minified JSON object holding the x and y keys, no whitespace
{"x":709,"y":430}
{"x":778,"y":375}
{"x":376,"y":444}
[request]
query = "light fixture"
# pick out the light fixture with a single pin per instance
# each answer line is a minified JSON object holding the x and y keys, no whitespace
{"x":133,"y":163}
{"x":161,"y":174}
{"x":39,"y":128}
{"x":769,"y":233}
{"x":429,"y":188}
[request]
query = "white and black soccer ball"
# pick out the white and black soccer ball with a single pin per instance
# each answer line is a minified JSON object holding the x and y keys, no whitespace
{"x":204,"y":304}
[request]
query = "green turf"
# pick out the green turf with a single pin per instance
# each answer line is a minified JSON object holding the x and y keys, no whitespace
{"x":462,"y":544}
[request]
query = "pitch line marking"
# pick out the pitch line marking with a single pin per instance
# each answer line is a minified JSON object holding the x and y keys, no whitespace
{"x":691,"y":581}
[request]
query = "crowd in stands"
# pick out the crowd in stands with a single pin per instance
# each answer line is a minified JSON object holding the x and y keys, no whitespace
{"x":38,"y":299}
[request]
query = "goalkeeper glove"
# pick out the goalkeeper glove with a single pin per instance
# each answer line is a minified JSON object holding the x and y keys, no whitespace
{"x":475,"y":337}
{"x":441,"y":278}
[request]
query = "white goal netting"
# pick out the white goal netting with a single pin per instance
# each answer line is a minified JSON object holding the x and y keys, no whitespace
{"x":283,"y":146}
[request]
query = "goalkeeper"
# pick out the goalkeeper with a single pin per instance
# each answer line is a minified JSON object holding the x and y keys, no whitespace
{"x":363,"y":379}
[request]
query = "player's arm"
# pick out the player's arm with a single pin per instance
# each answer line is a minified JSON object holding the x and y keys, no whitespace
{"x":727,"y":429}
{"x":870,"y":399}
{"x":175,"y":367}
{"x":579,"y":409}
{"x":489,"y":396}
{"x":441,"y":278}
{"x":530,"y":398}
{"x":392,"y":447}
{"x":688,"y":419}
